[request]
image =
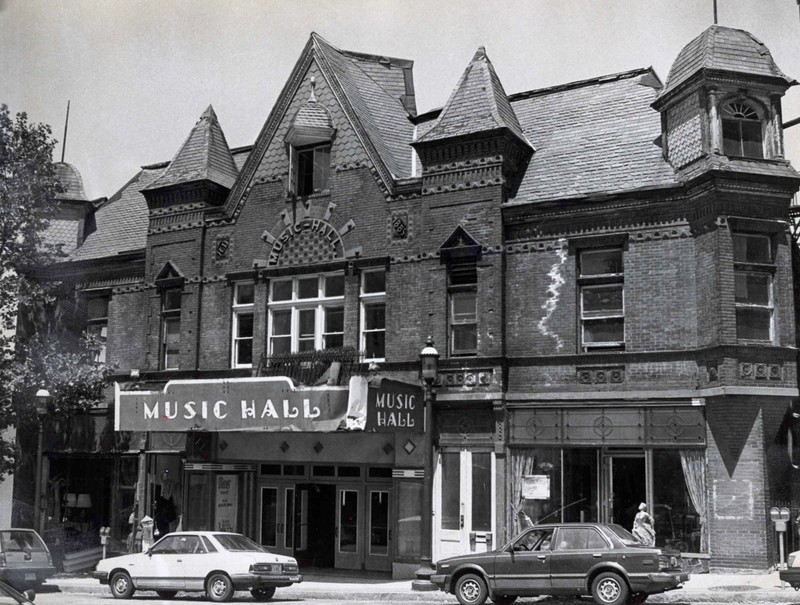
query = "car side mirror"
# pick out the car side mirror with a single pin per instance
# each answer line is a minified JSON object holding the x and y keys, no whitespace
{"x":30,"y":595}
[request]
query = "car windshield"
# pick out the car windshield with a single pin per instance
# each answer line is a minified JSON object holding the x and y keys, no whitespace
{"x":624,"y":535}
{"x":27,"y":541}
{"x":239,"y":543}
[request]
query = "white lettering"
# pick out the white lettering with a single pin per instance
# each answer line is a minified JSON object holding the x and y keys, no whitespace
{"x":286,"y":414}
{"x":150,"y":413}
{"x":307,"y":410}
{"x":189,"y":412}
{"x":218,"y":413}
{"x":248,"y":411}
{"x":168,"y":413}
{"x":269,"y":410}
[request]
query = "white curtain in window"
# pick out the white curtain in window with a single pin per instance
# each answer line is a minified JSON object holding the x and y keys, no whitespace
{"x":522,"y":463}
{"x":694,"y":472}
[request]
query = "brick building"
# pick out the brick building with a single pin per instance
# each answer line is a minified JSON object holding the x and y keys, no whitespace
{"x":604,"y":266}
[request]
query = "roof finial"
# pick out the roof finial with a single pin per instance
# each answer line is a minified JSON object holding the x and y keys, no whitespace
{"x":313,"y":98}
{"x":715,"y":13}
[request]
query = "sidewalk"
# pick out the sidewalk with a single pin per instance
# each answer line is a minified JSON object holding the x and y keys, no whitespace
{"x":712,"y":587}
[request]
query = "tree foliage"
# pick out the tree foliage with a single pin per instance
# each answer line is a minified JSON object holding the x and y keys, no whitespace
{"x":49,"y":353}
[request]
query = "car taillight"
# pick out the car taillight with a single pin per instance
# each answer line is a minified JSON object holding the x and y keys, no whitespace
{"x":49,"y":559}
{"x":667,"y":562}
{"x":2,"y":559}
{"x":790,"y":560}
{"x":290,"y":568}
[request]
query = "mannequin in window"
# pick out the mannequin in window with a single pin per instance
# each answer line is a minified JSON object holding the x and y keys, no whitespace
{"x":643,"y":526}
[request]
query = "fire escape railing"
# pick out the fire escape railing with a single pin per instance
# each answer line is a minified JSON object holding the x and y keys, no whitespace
{"x":330,"y":366}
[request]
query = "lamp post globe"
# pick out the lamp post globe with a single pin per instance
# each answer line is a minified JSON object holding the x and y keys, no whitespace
{"x":428,"y":372}
{"x":42,"y":399}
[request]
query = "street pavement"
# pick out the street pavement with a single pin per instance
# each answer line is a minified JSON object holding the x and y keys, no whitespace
{"x":368,"y":588}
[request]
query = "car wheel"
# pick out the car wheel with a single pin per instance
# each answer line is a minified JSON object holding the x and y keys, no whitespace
{"x":265,"y":593}
{"x":637,"y":598}
{"x":166,"y":594}
{"x":121,"y":585}
{"x":609,"y":589}
{"x":503,"y":600}
{"x":219,"y":588}
{"x":471,"y":590}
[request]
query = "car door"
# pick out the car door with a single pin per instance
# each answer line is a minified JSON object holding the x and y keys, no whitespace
{"x":575,"y":551}
{"x":162,"y":567}
{"x":523,"y":568}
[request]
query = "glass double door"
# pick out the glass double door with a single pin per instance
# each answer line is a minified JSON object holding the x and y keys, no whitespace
{"x":326,"y":525}
{"x":463,"y":503}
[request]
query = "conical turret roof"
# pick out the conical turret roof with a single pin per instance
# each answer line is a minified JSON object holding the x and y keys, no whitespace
{"x":204,"y":156}
{"x":478,"y":104}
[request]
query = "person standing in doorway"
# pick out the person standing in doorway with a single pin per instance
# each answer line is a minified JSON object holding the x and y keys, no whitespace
{"x":643,"y":526}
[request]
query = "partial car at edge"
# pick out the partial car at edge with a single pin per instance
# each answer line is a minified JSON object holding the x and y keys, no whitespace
{"x":563,"y":559}
{"x":217,"y":563}
{"x":25,"y":560}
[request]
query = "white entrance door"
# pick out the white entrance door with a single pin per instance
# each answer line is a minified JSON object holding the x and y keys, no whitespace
{"x":463,"y":503}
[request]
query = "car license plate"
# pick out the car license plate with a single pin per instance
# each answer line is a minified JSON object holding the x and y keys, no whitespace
{"x":31,"y":576}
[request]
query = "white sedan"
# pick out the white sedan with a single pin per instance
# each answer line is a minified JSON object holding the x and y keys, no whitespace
{"x":218,"y":563}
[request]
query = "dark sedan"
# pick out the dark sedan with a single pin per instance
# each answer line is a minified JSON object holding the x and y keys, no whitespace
{"x":566,"y":559}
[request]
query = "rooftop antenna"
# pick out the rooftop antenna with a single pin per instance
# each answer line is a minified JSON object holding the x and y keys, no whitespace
{"x":64,"y":143}
{"x":715,"y":12}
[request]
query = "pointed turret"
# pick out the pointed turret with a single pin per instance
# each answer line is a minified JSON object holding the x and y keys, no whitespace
{"x":204,"y":162}
{"x":478,"y":110}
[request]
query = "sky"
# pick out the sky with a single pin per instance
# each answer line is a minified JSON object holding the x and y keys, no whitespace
{"x":139,"y":73}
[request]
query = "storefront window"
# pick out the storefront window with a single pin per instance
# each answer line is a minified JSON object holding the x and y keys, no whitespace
{"x":580,"y":485}
{"x":409,"y":517}
{"x":677,"y":522}
{"x":536,"y":484}
{"x":198,"y":513}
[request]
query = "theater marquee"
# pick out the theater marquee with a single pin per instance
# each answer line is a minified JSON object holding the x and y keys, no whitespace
{"x":271,"y":404}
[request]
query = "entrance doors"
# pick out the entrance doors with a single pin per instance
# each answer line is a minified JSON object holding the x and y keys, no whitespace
{"x":625,"y":486}
{"x":463,"y":503}
{"x":379,"y":534}
{"x":277,"y":529}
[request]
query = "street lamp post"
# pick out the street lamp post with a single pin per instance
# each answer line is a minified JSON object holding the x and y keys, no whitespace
{"x":42,"y":400}
{"x":429,"y":370}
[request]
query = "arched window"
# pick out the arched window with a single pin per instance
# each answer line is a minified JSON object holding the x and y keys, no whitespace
{"x":742,"y":130}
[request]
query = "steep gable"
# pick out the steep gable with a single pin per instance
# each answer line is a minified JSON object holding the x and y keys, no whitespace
{"x":372,"y":125}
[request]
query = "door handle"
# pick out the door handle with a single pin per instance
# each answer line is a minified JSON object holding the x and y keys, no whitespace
{"x":462,"y":521}
{"x":541,"y":557}
{"x":596,"y":555}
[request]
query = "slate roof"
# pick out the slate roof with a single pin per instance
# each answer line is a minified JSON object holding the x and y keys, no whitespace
{"x":62,"y":232}
{"x":477,"y":104}
{"x":122,"y":221}
{"x":724,"y":49}
{"x":380,"y":115}
{"x":71,"y":180}
{"x":593,"y":136}
{"x":204,"y":156}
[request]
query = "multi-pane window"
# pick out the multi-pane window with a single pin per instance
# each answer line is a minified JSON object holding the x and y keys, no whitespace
{"x":742,"y":130}
{"x":242,"y":325}
{"x":753,"y":271}
{"x":373,"y":314}
{"x":97,"y":324}
{"x":602,"y":298}
{"x":306,"y":313}
{"x":170,"y":328}
{"x":463,"y":308}
{"x":312,"y":167}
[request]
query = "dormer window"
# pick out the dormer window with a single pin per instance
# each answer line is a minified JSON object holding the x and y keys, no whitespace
{"x":312,"y":169}
{"x":742,"y":130}
{"x":309,"y":145}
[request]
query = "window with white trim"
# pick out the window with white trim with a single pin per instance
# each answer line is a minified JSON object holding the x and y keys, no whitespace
{"x":97,"y":324}
{"x":306,"y":313}
{"x":373,"y":314}
{"x":742,"y":130}
{"x":602,"y":306}
{"x":753,"y":271}
{"x":170,"y":328}
{"x":463,"y":307}
{"x":242,"y":325}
